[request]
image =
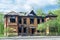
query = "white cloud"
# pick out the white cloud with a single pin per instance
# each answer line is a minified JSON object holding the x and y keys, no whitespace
{"x":41,"y":2}
{"x":27,"y":7}
{"x":17,"y":5}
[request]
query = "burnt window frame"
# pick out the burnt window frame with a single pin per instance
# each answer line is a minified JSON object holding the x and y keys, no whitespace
{"x":12,"y":18}
{"x":32,"y":22}
{"x":38,"y":20}
{"x":20,"y":20}
{"x":43,"y":20}
{"x":25,"y":29}
{"x":24,"y":21}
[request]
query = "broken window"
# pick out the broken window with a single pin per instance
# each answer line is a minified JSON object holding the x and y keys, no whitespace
{"x":33,"y":30}
{"x":42,"y":20}
{"x":20,"y":29}
{"x":31,"y":21}
{"x":38,"y":21}
{"x":12,"y":19}
{"x":20,"y":20}
{"x":24,"y":21}
{"x":24,"y":30}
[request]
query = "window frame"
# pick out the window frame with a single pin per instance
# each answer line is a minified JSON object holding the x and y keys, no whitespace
{"x":12,"y":18}
{"x":20,"y":20}
{"x":24,"y":21}
{"x":38,"y":20}
{"x":31,"y":21}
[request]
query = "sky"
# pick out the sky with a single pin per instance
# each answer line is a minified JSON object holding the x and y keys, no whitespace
{"x":27,"y":5}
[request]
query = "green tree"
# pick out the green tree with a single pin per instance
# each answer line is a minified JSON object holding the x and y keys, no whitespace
{"x":40,"y":13}
{"x":1,"y":24}
{"x":57,"y":12}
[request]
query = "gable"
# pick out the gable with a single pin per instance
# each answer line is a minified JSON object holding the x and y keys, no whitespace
{"x":32,"y":13}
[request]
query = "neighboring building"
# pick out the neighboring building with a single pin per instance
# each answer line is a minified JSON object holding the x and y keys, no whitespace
{"x":23,"y":23}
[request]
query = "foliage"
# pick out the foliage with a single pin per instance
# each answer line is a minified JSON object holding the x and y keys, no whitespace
{"x":52,"y":23}
{"x":1,"y":24}
{"x":40,"y":13}
{"x":58,"y":1}
{"x":57,"y":12}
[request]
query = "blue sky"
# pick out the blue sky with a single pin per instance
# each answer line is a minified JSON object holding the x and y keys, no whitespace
{"x":27,"y":5}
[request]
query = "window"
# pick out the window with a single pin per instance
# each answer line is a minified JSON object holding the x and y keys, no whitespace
{"x":31,"y":21}
{"x":24,"y":21}
{"x":42,"y":20}
{"x":20,"y":29}
{"x":38,"y":21}
{"x":12,"y":19}
{"x":20,"y":21}
{"x":24,"y":29}
{"x":38,"y":31}
{"x":33,"y":30}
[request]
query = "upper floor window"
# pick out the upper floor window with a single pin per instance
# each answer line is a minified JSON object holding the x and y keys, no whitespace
{"x":38,"y":21}
{"x":12,"y":19}
{"x":42,"y":19}
{"x":24,"y":21}
{"x":20,"y":20}
{"x":31,"y":21}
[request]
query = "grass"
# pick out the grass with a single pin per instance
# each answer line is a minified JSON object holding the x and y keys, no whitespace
{"x":1,"y":35}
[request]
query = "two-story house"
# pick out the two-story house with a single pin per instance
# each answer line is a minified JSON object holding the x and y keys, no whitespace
{"x":23,"y":23}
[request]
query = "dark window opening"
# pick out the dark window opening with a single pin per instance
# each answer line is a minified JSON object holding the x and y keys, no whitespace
{"x":24,"y":21}
{"x":42,"y":20}
{"x":20,"y":29}
{"x":38,"y":21}
{"x":20,"y":21}
{"x":33,"y":30}
{"x":38,"y":31}
{"x":12,"y":19}
{"x":31,"y":21}
{"x":24,"y":30}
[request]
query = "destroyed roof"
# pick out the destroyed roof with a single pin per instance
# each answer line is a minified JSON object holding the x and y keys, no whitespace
{"x":51,"y":15}
{"x":30,"y":13}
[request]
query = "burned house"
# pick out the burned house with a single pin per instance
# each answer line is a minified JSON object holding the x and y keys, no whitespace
{"x":23,"y":23}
